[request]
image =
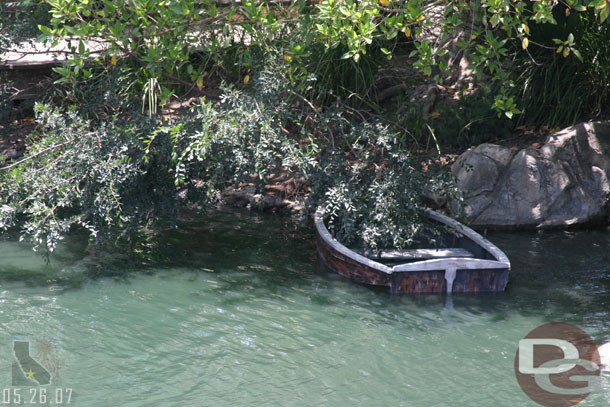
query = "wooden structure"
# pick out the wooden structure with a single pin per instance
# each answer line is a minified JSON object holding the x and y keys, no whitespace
{"x":470,"y":264}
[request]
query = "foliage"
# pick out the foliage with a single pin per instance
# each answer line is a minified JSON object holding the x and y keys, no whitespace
{"x":373,"y":195}
{"x":6,"y":91}
{"x":558,"y":91}
{"x":109,"y":91}
{"x":297,"y":70}
{"x":115,"y":178}
{"x":244,"y":136}
{"x":491,"y":32}
{"x":469,"y":121}
{"x":506,"y":24}
{"x":20,"y":20}
{"x":333,"y":47}
{"x":362,"y":174}
{"x":106,"y":180}
{"x":165,"y":44}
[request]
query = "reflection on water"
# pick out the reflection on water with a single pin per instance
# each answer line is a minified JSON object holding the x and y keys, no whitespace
{"x":235,"y":309}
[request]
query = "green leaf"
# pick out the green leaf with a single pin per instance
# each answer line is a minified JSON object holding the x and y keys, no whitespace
{"x":45,"y":30}
{"x":604,"y":13}
{"x":577,"y":53}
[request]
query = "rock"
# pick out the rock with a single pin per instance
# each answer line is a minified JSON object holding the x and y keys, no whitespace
{"x":477,"y":172}
{"x":563,"y":183}
{"x":434,"y":200}
{"x":247,"y":196}
{"x":15,"y":153}
{"x":266,"y":202}
{"x":500,"y":155}
{"x":238,"y":197}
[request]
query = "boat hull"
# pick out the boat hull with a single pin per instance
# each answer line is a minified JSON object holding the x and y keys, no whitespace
{"x":466,"y":281}
{"x":348,"y":267}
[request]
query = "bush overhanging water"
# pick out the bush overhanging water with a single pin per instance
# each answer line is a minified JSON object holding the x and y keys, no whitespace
{"x":303,"y":99}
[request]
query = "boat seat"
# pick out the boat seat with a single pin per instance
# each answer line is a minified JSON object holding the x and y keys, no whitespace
{"x":422,"y":254}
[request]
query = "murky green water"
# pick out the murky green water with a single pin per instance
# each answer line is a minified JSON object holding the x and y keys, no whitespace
{"x":236,"y":310}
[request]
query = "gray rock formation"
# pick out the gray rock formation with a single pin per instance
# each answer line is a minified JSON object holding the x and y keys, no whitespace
{"x":249,"y":198}
{"x":564,"y":182}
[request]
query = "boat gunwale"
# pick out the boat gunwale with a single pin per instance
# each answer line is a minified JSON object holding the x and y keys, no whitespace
{"x":460,"y":263}
{"x":472,"y":235}
{"x":334,"y":244}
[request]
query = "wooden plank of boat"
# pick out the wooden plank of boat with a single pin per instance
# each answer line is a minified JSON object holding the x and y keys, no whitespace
{"x":422,"y":254}
{"x":485,"y":268}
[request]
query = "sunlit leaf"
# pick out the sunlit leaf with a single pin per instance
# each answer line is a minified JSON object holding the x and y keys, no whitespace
{"x":525,"y":43}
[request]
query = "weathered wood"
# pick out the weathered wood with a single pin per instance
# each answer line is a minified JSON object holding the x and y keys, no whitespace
{"x":422,"y":254}
{"x":348,"y":267}
{"x":37,"y":55}
{"x":443,"y":271}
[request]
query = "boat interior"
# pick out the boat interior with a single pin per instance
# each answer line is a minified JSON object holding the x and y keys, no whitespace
{"x":426,"y":248}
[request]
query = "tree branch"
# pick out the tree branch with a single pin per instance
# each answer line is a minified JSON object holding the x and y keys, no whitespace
{"x":8,"y":167}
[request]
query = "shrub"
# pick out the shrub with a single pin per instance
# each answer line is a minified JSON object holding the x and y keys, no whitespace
{"x":469,"y":121}
{"x":373,"y":194}
{"x":362,"y":174}
{"x":165,"y":45}
{"x":558,"y":89}
{"x":244,"y":136}
{"x":116,"y":178}
{"x":110,"y":180}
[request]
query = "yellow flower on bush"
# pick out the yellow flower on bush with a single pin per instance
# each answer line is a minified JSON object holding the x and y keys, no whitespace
{"x":287,"y":58}
{"x":384,"y":3}
{"x":246,"y":79}
{"x":113,"y":60}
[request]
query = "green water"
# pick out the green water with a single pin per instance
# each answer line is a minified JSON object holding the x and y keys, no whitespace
{"x":235,"y":310}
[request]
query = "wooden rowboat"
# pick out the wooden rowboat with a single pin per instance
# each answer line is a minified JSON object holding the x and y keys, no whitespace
{"x":468,"y":263}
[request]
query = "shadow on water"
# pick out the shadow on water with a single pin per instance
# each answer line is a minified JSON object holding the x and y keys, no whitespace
{"x":555,"y":275}
{"x":560,"y":275}
{"x":277,"y":248}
